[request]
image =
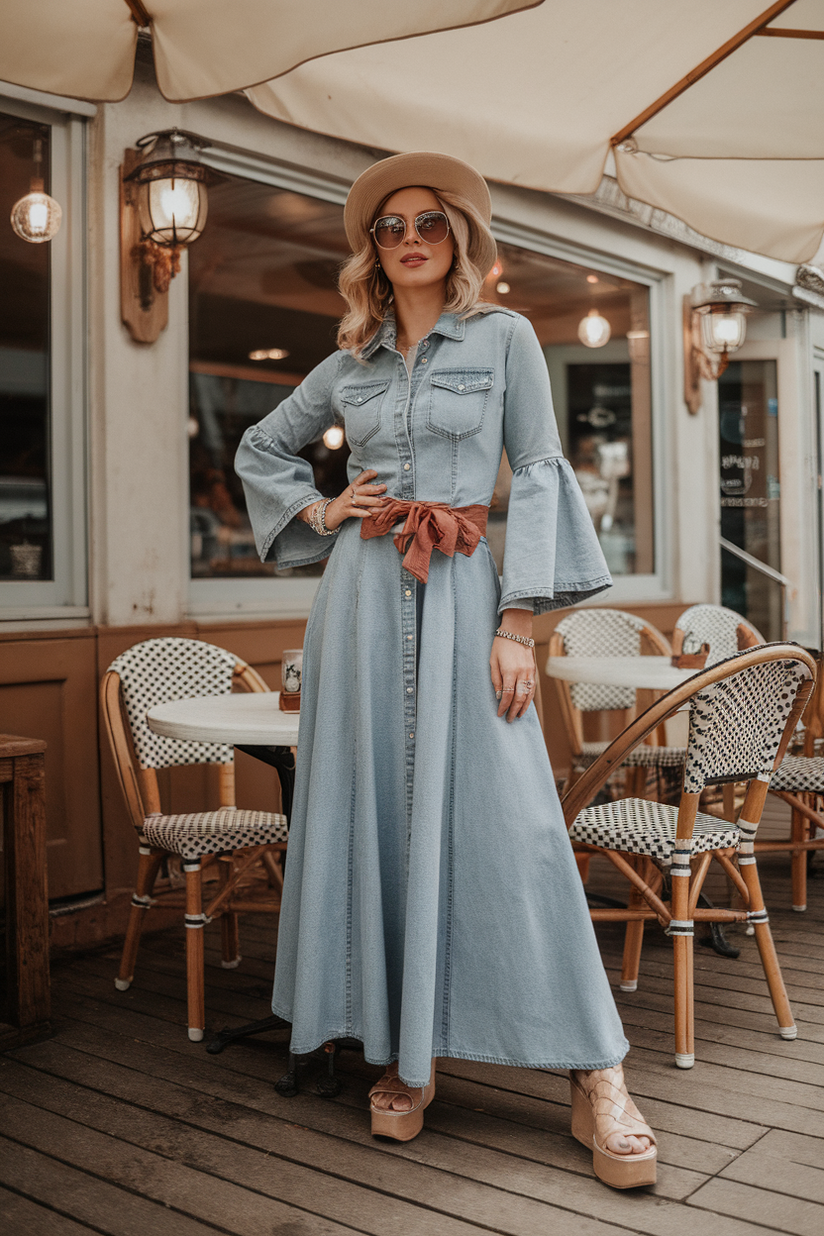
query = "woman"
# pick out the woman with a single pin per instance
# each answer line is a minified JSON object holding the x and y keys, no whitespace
{"x":432,"y":905}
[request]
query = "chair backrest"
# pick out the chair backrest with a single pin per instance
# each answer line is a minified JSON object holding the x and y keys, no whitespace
{"x":742,"y":714}
{"x":605,"y":633}
{"x":737,"y":723}
{"x":723,"y":629}
{"x":158,"y":671}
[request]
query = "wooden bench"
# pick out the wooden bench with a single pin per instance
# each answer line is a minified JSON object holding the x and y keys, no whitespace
{"x":22,"y":786}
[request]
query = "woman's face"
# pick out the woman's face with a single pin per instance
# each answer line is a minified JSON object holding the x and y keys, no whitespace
{"x":414,"y":263}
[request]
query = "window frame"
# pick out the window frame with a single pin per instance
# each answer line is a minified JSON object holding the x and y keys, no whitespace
{"x":66,"y":595}
{"x":292,"y":598}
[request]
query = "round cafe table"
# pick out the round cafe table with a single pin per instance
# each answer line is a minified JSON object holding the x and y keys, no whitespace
{"x":251,"y":722}
{"x":247,"y":719}
{"x":640,"y":673}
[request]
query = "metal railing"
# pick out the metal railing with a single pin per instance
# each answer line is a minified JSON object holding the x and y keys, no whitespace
{"x":770,"y":573}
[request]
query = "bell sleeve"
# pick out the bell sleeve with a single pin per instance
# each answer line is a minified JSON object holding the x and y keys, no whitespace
{"x":552,"y":556}
{"x":277,"y":481}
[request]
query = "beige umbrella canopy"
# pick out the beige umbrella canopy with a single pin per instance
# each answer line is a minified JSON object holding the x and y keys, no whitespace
{"x":714,"y":111}
{"x":85,"y":49}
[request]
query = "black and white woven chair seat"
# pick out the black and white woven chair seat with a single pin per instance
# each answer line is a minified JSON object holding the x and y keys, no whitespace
{"x":214,"y":832}
{"x":644,"y":756}
{"x":637,"y":826}
{"x":799,"y":774}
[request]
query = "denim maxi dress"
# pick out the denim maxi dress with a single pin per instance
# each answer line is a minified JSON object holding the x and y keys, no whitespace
{"x":432,"y":905}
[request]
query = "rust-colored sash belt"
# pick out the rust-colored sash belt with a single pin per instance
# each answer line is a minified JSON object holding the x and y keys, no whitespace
{"x":428,"y":526}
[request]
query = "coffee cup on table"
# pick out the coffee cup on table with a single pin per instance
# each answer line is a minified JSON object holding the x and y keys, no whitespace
{"x":291,"y":672}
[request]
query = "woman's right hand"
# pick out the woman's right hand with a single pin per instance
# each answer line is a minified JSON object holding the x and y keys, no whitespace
{"x":358,"y":500}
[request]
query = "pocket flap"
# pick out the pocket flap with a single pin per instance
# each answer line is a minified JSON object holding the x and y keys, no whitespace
{"x":364,"y":392}
{"x":463,"y":381}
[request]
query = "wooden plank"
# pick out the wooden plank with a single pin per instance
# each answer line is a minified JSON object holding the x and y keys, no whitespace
{"x":360,"y":1185}
{"x":83,"y":1197}
{"x":788,"y":1162}
{"x":408,"y":1169}
{"x":22,"y":1217}
{"x":775,"y":1211}
{"x":201,"y":1195}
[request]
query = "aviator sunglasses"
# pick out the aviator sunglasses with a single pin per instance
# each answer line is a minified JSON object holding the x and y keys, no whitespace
{"x":390,"y":230}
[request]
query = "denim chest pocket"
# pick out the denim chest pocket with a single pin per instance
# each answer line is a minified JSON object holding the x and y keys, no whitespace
{"x":361,"y":406}
{"x":457,"y":401}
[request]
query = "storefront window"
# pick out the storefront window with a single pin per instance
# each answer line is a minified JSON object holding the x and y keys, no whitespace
{"x":26,"y":552}
{"x":264,"y":310}
{"x":750,"y":492}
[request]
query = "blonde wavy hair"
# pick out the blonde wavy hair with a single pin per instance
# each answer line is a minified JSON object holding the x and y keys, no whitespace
{"x":368,"y":292}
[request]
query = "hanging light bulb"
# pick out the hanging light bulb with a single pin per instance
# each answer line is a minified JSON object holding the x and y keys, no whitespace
{"x":36,"y":217}
{"x":594,"y":330}
{"x":333,"y":438}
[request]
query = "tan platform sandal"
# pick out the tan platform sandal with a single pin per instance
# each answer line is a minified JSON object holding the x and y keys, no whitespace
{"x":604,"y":1108}
{"x":403,"y":1125}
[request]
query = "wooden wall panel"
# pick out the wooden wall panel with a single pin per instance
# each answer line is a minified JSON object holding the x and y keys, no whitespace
{"x":48,"y":690}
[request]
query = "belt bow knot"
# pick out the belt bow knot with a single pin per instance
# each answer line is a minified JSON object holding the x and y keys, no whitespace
{"x":427,"y":526}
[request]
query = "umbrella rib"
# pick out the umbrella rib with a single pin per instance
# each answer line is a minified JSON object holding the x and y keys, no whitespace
{"x":787,"y":33}
{"x":721,"y":53}
{"x":139,"y":15}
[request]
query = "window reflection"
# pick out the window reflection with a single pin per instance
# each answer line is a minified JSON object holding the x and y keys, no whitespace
{"x":25,"y":519}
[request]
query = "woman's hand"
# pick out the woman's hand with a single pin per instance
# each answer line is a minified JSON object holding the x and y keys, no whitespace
{"x":358,"y":500}
{"x":512,"y":665}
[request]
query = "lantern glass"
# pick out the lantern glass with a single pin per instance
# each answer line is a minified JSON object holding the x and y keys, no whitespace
{"x":594,"y":330}
{"x":723,"y":331}
{"x":173,"y":210}
{"x":36,"y":217}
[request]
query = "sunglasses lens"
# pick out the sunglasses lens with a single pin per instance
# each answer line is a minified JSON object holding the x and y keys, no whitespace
{"x":432,"y":227}
{"x":389,"y":232}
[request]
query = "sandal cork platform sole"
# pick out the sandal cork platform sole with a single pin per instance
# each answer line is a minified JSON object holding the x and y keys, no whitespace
{"x":401,"y":1126}
{"x":605,"y":1109}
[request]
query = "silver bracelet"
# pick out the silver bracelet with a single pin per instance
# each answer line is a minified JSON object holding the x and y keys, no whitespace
{"x":317,"y":520}
{"x":519,"y":639}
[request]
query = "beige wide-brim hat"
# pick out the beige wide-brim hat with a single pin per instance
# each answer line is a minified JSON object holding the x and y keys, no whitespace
{"x":430,"y":171}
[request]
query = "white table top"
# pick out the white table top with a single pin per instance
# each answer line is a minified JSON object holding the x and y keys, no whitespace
{"x":250,"y":719}
{"x":642,"y":673}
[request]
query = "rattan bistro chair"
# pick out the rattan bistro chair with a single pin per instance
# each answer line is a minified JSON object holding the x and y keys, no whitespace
{"x":725,"y":631}
{"x":154,"y":672}
{"x":604,"y":633}
{"x":742,"y":715}
{"x":799,"y":781}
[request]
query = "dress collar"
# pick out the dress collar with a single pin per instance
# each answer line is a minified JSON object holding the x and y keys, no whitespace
{"x":448,"y":324}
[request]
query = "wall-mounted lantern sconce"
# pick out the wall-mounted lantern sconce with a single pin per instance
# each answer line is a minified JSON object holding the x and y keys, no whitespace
{"x":36,"y":217}
{"x":163,"y":209}
{"x":714,"y":326}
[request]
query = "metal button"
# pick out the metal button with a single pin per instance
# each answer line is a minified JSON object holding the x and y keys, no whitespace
{"x":406,"y":467}
{"x":409,"y":637}
{"x":461,"y":387}
{"x":360,"y":399}
{"x":409,"y":690}
{"x":409,"y":592}
{"x":423,"y":360}
{"x":425,"y":343}
{"x":411,"y":735}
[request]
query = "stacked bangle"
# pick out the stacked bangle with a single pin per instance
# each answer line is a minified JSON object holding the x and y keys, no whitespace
{"x":519,"y":639}
{"x":317,"y":520}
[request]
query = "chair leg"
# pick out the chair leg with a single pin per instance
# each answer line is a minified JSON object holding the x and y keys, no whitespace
{"x":799,"y":831}
{"x":633,"y":942}
{"x":766,"y":948}
{"x":147,"y":868}
{"x":682,"y":933}
{"x":229,"y":935}
{"x":194,"y":951}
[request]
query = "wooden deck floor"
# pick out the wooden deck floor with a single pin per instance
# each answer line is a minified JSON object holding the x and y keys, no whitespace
{"x":119,"y":1125}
